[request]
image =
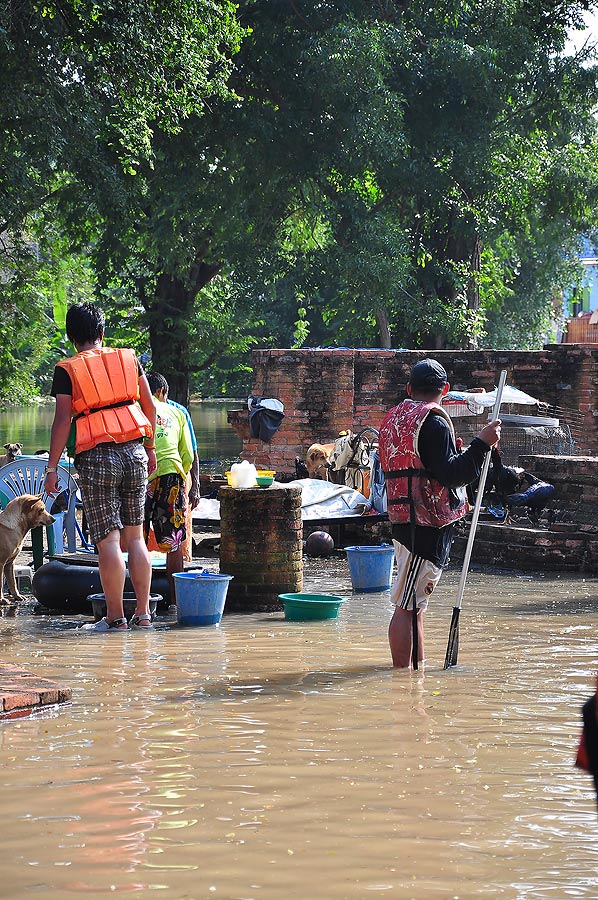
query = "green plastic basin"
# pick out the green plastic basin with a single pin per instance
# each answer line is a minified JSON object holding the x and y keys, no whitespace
{"x":301,"y":607}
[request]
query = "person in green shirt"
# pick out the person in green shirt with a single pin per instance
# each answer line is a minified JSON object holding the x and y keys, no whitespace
{"x":166,"y":499}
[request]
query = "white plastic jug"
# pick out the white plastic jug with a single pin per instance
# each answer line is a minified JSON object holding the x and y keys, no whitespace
{"x":243,"y":474}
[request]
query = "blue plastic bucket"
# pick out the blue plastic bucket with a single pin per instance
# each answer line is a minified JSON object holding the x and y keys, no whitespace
{"x":200,"y":597}
{"x":370,"y":567}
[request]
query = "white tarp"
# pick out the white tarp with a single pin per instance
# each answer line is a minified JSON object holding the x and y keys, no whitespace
{"x":208,"y":508}
{"x":324,"y":500}
{"x":319,"y":500}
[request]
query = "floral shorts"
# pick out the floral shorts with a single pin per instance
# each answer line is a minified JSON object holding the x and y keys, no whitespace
{"x":165,"y":508}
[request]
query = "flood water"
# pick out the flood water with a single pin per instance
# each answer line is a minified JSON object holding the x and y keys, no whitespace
{"x":216,"y":440}
{"x":265,"y":759}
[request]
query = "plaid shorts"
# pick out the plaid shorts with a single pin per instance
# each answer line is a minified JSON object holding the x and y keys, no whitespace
{"x":165,"y":509}
{"x":113,"y":478}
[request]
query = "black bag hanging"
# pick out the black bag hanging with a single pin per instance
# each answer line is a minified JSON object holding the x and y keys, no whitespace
{"x":265,"y":418}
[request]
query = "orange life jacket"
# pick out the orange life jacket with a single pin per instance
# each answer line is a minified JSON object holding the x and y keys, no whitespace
{"x":105,"y":393}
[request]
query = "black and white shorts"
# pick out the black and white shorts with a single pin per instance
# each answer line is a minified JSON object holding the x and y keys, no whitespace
{"x":413,"y":572}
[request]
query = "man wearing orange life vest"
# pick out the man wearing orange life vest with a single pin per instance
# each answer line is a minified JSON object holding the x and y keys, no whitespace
{"x":424,"y":473}
{"x":97,"y":390}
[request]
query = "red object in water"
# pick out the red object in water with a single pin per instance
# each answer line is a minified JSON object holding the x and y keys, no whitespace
{"x":581,"y":760}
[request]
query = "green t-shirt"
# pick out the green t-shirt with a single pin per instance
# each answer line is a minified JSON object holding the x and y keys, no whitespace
{"x":174,"y":449}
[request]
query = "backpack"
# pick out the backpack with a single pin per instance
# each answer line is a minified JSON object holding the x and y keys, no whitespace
{"x":350,"y":461}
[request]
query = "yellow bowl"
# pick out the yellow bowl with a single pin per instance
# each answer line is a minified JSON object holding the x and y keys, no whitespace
{"x":266,"y":473}
{"x":228,"y":477}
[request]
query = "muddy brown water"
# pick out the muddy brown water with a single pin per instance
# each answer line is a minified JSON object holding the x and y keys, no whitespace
{"x":269,"y":759}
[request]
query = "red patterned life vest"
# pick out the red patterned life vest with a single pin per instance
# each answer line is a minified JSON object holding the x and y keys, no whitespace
{"x":105,"y":393}
{"x":434,"y":504}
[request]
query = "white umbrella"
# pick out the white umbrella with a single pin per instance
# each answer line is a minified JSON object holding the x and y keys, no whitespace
{"x":509,"y":395}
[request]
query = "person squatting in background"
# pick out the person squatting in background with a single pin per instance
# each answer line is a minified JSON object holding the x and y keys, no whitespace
{"x":99,"y":391}
{"x":166,"y":500}
{"x":425,"y":477}
{"x":512,"y":488}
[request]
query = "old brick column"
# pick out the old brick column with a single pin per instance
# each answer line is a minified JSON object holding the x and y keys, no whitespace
{"x":261,"y":545}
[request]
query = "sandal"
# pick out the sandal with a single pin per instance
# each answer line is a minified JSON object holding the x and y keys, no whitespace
{"x":141,"y":622}
{"x":104,"y":625}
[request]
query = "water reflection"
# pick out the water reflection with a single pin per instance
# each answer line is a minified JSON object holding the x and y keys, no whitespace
{"x":264,"y":759}
{"x":216,"y":440}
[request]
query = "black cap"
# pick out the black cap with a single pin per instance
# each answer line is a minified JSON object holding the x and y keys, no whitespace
{"x":428,"y":375}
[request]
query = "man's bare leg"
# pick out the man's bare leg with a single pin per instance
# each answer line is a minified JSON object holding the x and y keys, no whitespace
{"x":174,"y":564}
{"x":400,"y":637}
{"x":140,"y":567}
{"x":112,"y":572}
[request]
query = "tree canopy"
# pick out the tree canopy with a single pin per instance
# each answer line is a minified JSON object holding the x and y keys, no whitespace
{"x":366,"y":174}
{"x":86,"y":86}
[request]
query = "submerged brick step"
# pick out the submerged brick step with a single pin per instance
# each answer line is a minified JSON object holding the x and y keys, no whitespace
{"x":23,"y":693}
{"x":567,"y":548}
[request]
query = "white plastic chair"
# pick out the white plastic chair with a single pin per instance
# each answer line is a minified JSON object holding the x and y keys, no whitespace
{"x":26,"y":475}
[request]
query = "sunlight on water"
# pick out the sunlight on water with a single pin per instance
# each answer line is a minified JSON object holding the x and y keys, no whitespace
{"x":266,"y":759}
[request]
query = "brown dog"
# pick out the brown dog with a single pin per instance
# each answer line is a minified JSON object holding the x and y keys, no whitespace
{"x":21,"y":514}
{"x":317,"y":461}
{"x":12,"y":451}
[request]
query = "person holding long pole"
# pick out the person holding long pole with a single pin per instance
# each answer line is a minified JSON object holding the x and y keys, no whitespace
{"x":426,"y":478}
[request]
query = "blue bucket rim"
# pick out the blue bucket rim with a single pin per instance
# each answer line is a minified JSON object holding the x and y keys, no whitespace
{"x":215,"y":576}
{"x":374,"y":548}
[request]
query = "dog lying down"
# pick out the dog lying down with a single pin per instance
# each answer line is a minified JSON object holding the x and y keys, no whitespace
{"x":20,"y":516}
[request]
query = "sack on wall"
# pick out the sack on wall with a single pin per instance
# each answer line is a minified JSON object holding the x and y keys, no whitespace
{"x":378,"y":496}
{"x":265,"y":418}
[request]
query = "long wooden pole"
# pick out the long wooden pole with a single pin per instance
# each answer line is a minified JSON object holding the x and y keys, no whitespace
{"x":452,"y":649}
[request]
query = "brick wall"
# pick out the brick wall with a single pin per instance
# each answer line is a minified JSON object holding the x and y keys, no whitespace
{"x":568,"y":545}
{"x":575,"y":479}
{"x":327,"y":391}
{"x":560,"y":548}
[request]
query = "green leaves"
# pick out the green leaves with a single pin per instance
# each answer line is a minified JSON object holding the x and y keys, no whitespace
{"x":276,"y":173}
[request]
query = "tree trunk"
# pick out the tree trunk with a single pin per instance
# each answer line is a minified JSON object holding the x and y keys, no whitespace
{"x":168,"y":316}
{"x":169,"y":313}
{"x":473,"y":288}
{"x":431,"y":341}
{"x":383,"y":327}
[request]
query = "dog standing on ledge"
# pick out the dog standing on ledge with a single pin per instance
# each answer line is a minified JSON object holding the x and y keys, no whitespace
{"x":12,"y":451}
{"x":317,"y":461}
